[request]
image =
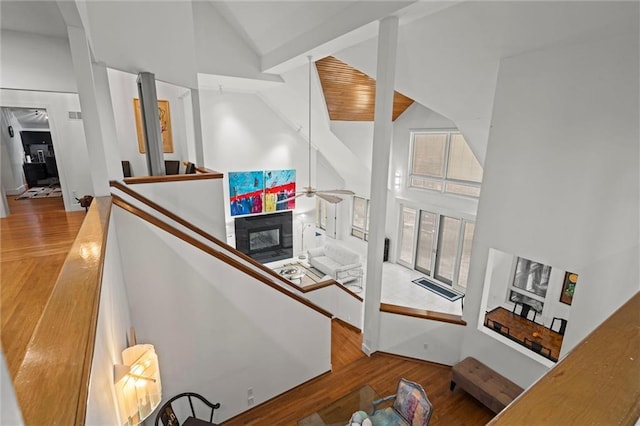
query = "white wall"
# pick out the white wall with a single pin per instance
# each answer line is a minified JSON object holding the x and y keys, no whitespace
{"x":67,"y":135}
{"x":241,"y":133}
{"x":35,"y":62}
{"x":339,"y":303}
{"x":200,"y":202}
{"x":12,"y":153}
{"x":358,"y":137}
{"x":10,"y":413}
{"x":434,"y":341}
{"x":124,"y":89}
{"x":216,"y":330}
{"x":561,"y":183}
{"x":111,"y":337}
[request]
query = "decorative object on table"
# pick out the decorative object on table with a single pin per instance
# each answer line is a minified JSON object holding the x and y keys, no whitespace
{"x":410,"y":406}
{"x":165,"y":126}
{"x":85,"y":201}
{"x":167,"y":416}
{"x":309,"y":191}
{"x":568,"y":287}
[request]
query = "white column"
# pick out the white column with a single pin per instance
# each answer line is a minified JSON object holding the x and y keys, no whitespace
{"x":108,"y":122}
{"x":81,"y":57}
{"x":197,"y":127}
{"x":382,"y":133}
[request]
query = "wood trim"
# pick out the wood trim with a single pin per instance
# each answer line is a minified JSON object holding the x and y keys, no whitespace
{"x":350,"y":94}
{"x":411,"y":359}
{"x":201,"y":175}
{"x":256,"y":407}
{"x":215,"y":253}
{"x":219,"y":243}
{"x":596,"y":383}
{"x":52,"y":383}
{"x":346,"y":324}
{"x":328,"y":283}
{"x":199,"y":231}
{"x":422,"y":313}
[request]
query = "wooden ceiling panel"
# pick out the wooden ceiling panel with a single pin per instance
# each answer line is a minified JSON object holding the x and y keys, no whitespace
{"x":351,"y":94}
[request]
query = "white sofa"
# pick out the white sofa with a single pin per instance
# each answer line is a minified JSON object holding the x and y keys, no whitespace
{"x":339,"y":262}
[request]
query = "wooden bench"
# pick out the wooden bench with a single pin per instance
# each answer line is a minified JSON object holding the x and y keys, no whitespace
{"x":484,"y":384}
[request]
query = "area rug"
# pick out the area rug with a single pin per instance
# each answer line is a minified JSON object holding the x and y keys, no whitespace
{"x":442,"y":291}
{"x":40,"y":192}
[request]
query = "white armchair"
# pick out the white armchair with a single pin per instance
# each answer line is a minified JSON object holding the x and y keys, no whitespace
{"x":341,"y":263}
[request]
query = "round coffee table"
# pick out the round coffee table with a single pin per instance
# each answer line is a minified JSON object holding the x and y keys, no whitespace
{"x":291,"y":272}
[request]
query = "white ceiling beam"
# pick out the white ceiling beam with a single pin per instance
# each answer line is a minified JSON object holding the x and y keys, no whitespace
{"x":354,"y":24}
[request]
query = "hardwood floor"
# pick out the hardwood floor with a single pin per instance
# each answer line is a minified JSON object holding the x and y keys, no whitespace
{"x":34,"y":241}
{"x":352,"y":370}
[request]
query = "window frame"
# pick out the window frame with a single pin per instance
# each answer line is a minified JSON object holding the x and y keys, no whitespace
{"x":356,"y":229}
{"x":442,"y":182}
{"x":435,"y":241}
{"x":512,"y":288}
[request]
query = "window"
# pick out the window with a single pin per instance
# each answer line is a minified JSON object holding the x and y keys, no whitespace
{"x":360,"y":219}
{"x":442,"y":161}
{"x":407,"y":233}
{"x":530,"y":283}
{"x":321,"y":213}
{"x":437,"y":245}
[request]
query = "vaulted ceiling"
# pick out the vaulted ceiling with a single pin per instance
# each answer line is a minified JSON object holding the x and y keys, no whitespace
{"x":350,"y":94}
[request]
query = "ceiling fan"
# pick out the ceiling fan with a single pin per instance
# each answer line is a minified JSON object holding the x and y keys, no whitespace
{"x":309,"y":191}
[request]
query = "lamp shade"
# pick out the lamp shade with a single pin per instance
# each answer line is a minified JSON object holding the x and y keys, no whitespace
{"x":137,"y":383}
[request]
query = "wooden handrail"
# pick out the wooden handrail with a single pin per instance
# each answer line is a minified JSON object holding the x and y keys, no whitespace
{"x":422,"y":313}
{"x":215,"y":253}
{"x":202,"y":174}
{"x":52,"y":383}
{"x":219,"y":243}
{"x":597,"y":383}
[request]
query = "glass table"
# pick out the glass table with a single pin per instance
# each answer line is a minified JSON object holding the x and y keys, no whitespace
{"x":339,"y":412}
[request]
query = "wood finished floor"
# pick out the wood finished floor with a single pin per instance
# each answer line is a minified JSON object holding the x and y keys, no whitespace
{"x":352,"y":370}
{"x":34,"y":241}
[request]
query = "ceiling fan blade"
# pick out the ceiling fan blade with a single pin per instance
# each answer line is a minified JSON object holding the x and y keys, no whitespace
{"x":286,"y":200}
{"x":337,"y":191}
{"x":329,"y":198}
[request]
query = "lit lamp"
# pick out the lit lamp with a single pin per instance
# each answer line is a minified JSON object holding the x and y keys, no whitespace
{"x":137,"y":383}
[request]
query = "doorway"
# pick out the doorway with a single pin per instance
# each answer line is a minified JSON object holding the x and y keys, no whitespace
{"x":30,"y":169}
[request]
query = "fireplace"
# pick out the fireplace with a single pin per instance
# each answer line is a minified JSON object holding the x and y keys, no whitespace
{"x":265,"y":238}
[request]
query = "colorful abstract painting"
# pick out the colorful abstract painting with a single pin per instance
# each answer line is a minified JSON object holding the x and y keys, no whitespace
{"x":246,"y":192}
{"x":279,"y":185}
{"x":260,"y":191}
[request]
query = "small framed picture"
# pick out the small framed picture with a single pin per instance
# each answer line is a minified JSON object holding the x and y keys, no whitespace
{"x":568,"y":287}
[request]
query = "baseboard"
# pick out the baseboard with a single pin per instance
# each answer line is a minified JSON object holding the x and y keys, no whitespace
{"x":346,"y":324}
{"x":17,"y":191}
{"x":409,"y":358}
{"x":311,"y":380}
